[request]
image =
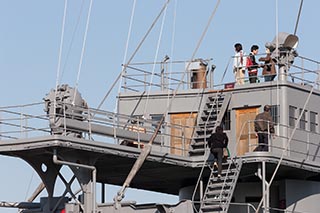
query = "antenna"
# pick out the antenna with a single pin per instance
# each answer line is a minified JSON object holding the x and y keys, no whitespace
{"x":298,"y":18}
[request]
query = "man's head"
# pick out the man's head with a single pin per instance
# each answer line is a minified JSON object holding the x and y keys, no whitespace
{"x":254,"y":49}
{"x":267,"y":108}
{"x":238,"y":47}
{"x":219,"y":129}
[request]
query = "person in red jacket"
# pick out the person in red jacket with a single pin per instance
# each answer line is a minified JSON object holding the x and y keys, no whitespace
{"x":217,"y":142}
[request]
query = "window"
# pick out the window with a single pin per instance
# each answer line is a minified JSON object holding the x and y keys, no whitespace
{"x":226,"y":121}
{"x":274,"y":111}
{"x":292,"y":116}
{"x":313,"y":121}
{"x":155,"y":122}
{"x":303,"y":120}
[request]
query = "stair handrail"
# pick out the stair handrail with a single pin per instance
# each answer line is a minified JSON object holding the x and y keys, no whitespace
{"x":208,"y":117}
{"x":217,"y":121}
{"x":234,"y":158}
{"x":205,"y":145}
{"x":238,"y":163}
{"x":198,"y":181}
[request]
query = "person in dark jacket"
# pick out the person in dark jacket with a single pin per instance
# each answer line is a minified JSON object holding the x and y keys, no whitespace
{"x":263,"y":125}
{"x":253,"y":69}
{"x":217,"y":142}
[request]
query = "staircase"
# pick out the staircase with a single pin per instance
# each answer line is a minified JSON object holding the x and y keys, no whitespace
{"x":219,"y":191}
{"x":211,"y":116}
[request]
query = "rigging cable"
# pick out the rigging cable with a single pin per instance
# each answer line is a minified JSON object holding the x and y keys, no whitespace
{"x":135,"y":52}
{"x":124,"y":57}
{"x":155,"y":60}
{"x":82,"y":51}
{"x":128,"y":39}
{"x":59,"y":57}
{"x":201,"y":90}
{"x":182,"y":77}
{"x":277,"y":98}
{"x":296,"y":126}
{"x":172,"y":48}
{"x":289,"y":140}
{"x":145,"y":152}
{"x":192,"y":57}
{"x":298,"y":18}
{"x":194,"y":53}
{"x":29,"y":185}
{"x":72,"y":40}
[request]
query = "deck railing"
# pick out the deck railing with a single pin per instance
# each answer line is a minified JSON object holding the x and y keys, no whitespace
{"x":27,"y":121}
{"x":303,"y":144}
{"x":162,"y":76}
{"x":23,"y":121}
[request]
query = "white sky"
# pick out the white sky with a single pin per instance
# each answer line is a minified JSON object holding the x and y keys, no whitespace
{"x":30,"y":38}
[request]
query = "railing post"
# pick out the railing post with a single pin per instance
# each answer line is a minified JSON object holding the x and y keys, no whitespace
{"x":302,"y":73}
{"x":249,"y":135}
{"x":89,"y":122}
{"x":0,"y":125}
{"x":308,"y":144}
{"x":201,"y":191}
{"x":183,"y":141}
{"x":318,"y":73}
{"x":64,"y":119}
{"x":21,"y":124}
{"x":162,"y":76}
{"x":26,"y":125}
{"x":144,"y":82}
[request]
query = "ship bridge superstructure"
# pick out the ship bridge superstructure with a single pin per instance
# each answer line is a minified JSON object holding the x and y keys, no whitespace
{"x":171,"y":109}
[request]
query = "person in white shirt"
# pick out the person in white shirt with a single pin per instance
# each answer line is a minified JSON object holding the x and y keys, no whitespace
{"x":239,"y":64}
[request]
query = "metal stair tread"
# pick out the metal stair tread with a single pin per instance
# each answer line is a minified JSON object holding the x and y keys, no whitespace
{"x":199,"y":143}
{"x":215,"y":97}
{"x":211,"y":206}
{"x":202,"y":125}
{"x":221,"y":190}
{"x":196,"y":151}
{"x":202,"y":136}
{"x":226,"y":186}
{"x":218,"y":192}
{"x":209,"y":118}
{"x":210,"y":201}
{"x":212,"y":112}
{"x":203,"y":132}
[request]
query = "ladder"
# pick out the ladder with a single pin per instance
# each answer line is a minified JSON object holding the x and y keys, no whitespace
{"x":211,"y":116}
{"x":219,"y":191}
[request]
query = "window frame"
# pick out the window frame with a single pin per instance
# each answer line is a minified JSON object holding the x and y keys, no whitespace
{"x":292,"y":116}
{"x":303,"y":120}
{"x":226,"y":120}
{"x":313,"y":121}
{"x":275,"y":113}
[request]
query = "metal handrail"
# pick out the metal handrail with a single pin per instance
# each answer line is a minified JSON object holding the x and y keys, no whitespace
{"x":11,"y":124}
{"x":306,"y":71}
{"x":286,"y":137}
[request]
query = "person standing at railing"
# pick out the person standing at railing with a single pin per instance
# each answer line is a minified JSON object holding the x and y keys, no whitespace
{"x":269,"y":69}
{"x":263,"y":126}
{"x":216,"y":143}
{"x":239,"y":64}
{"x":253,"y":65}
